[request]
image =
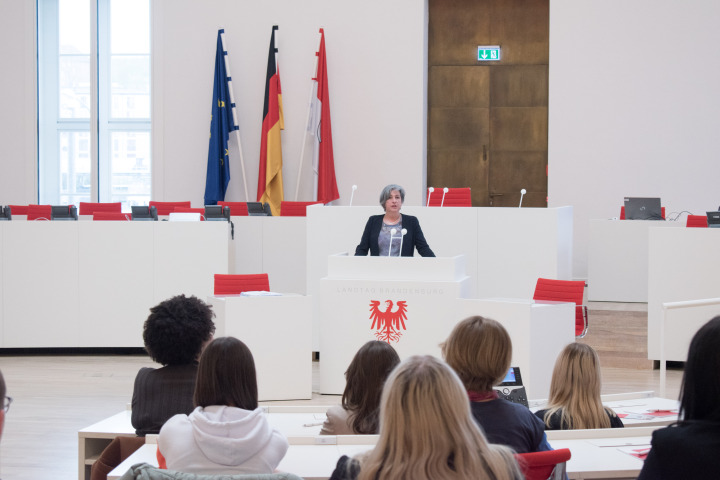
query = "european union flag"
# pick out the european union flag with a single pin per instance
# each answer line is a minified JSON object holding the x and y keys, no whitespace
{"x":222,"y":123}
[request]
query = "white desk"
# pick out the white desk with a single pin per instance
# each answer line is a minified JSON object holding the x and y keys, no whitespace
{"x":92,"y":440}
{"x":278,"y":332}
{"x":683,"y":265}
{"x":618,"y":259}
{"x":91,"y":284}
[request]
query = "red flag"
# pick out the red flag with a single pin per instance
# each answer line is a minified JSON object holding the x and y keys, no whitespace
{"x":320,"y":128}
{"x":270,"y":182}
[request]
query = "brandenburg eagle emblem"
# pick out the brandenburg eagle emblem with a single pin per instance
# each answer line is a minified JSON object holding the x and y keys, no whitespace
{"x":388,"y":324}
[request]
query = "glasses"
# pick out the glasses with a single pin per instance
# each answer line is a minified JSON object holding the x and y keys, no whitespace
{"x":6,"y":403}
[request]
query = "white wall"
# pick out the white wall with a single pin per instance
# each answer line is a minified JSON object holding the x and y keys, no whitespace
{"x":634,"y":107}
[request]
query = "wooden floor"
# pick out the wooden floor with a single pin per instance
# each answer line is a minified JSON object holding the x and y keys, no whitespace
{"x":55,"y":396}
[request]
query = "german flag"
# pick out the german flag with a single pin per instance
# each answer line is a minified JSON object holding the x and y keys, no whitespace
{"x":270,"y":182}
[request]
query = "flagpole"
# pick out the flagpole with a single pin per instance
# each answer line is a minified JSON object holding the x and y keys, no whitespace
{"x":235,"y":119}
{"x":313,"y":78}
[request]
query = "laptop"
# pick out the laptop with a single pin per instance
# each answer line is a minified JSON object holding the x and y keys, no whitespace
{"x":713,"y":219}
{"x":511,"y":388}
{"x":643,"y":208}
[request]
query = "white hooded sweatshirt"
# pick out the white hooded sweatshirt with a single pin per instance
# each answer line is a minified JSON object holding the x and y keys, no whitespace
{"x":221,"y":440}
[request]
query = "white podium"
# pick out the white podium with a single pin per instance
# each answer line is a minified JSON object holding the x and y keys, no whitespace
{"x":538,"y":330}
{"x":426,"y":289}
{"x":278,"y":332}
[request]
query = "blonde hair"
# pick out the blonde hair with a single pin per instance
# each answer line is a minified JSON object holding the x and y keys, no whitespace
{"x":479,"y":350}
{"x":427,"y":430}
{"x":575,"y":389}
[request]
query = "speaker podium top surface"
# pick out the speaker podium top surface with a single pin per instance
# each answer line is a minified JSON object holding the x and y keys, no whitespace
{"x":437,"y":269}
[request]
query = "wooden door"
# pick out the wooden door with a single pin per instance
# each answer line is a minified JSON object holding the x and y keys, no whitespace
{"x":487,"y":122}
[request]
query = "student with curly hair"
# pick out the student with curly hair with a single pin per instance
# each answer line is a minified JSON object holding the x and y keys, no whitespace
{"x":175,"y":334}
{"x":364,"y":379}
{"x":574,"y":401}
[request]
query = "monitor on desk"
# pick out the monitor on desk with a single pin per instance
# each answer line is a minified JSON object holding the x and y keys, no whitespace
{"x":217,"y":213}
{"x":143,"y":213}
{"x":713,"y":219}
{"x":643,"y":208}
{"x":5,"y":213}
{"x":63,"y":212}
{"x":257,"y":209}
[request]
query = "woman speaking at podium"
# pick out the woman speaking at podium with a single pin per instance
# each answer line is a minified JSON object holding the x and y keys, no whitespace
{"x":393,"y":234}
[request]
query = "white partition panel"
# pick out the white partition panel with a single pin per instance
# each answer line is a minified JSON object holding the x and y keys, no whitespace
{"x":284,"y":254}
{"x":248,"y":245}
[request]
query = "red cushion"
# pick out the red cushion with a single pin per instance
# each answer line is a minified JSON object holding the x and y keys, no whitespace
{"x":236,"y":284}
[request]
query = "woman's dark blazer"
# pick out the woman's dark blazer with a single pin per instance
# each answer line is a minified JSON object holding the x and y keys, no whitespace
{"x":414,"y":238}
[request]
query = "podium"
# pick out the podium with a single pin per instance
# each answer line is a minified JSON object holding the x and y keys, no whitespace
{"x":406,"y":301}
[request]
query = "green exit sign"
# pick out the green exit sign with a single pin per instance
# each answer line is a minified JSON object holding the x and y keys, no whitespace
{"x":488,"y":53}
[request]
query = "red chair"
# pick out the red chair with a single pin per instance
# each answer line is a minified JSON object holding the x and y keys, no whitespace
{"x":622,"y":212}
{"x":111,"y":216}
{"x":201,"y":211}
{"x":236,"y":284}
{"x":565,"y":291}
{"x":455,"y":197}
{"x":295,"y":209}
{"x":549,"y":465}
{"x":19,"y":209}
{"x":38,"y":212}
{"x":164,"y":208}
{"x":237,"y":209}
{"x":697,"y":221}
{"x":88,"y":208}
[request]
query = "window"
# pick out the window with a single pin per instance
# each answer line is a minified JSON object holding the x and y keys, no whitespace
{"x":94,"y":101}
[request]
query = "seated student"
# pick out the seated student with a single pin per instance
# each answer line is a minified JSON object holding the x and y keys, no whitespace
{"x":427,"y":432}
{"x":364,"y":379}
{"x":689,"y":448}
{"x":227,"y":433}
{"x":479,"y":350}
{"x":174,"y":334}
{"x":574,"y":401}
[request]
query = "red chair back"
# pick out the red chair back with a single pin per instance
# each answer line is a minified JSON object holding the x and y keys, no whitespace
{"x":88,"y":208}
{"x":565,"y":291}
{"x":697,"y":221}
{"x":455,"y":197}
{"x":236,"y":284}
{"x":237,"y":209}
{"x":19,"y":209}
{"x":111,"y":216}
{"x":622,"y":212}
{"x":164,"y":208}
{"x":38,"y":212}
{"x":201,"y":211}
{"x":295,"y":209}
{"x":544,"y":465}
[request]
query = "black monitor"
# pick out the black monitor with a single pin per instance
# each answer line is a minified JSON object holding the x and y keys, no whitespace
{"x":5,"y":213}
{"x":713,"y":219}
{"x":217,"y":213}
{"x":143,"y":213}
{"x":63,"y":212}
{"x":256,"y":209}
{"x":643,"y":208}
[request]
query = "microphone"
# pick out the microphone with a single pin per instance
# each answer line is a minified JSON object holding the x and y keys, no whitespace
{"x":354,"y":187}
{"x":430,"y":191}
{"x":445,"y":190}
{"x":404,"y":232}
{"x":522,"y":194}
{"x":393,"y":231}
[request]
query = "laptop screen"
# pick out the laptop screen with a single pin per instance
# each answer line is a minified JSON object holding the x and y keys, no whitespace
{"x":643,"y":208}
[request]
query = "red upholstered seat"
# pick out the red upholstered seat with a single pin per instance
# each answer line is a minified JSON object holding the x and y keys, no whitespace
{"x":19,"y":209}
{"x":237,"y":209}
{"x":622,"y":212}
{"x":38,"y":212}
{"x":164,"y":208}
{"x":116,"y":216}
{"x":236,"y":284}
{"x":548,"y":465}
{"x":88,"y":208}
{"x":697,"y":221}
{"x":455,"y":197}
{"x":295,"y":209}
{"x":565,"y":291}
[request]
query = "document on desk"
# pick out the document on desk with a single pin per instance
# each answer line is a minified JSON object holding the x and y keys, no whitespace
{"x":620,"y":441}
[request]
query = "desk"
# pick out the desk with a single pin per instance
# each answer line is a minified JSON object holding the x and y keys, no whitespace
{"x":92,"y":440}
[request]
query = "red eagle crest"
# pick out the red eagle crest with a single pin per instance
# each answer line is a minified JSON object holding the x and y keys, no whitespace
{"x":388,"y":324}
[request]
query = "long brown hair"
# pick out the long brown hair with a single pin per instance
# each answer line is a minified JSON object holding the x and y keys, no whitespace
{"x":364,"y":380}
{"x":428,"y":432}
{"x":575,"y":389}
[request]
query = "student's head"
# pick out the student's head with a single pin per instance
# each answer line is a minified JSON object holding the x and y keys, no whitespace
{"x":3,"y":392}
{"x":427,"y":430}
{"x":364,"y":380}
{"x":479,"y":350}
{"x":226,"y":375}
{"x":700,"y":390}
{"x":177,"y":330}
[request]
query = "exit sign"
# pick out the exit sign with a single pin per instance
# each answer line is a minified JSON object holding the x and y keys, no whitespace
{"x":488,"y":53}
